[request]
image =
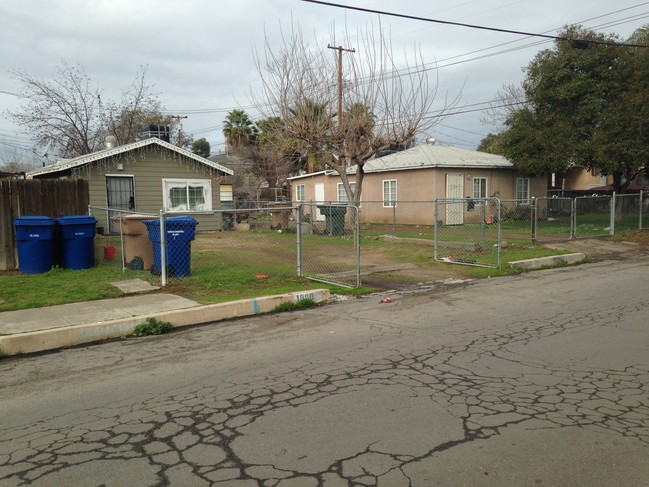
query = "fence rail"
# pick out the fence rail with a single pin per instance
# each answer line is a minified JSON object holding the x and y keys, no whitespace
{"x":277,"y":245}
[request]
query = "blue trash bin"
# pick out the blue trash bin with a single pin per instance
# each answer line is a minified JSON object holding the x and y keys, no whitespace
{"x":77,"y":241}
{"x":179,"y":233}
{"x":35,"y":242}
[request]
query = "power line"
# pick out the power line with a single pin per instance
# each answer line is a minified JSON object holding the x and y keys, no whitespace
{"x":577,"y":43}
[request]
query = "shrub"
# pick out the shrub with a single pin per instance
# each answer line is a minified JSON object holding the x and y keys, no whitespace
{"x":152,"y":327}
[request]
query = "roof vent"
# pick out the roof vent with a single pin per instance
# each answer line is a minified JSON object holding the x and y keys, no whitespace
{"x":431,"y":141}
{"x":110,"y":141}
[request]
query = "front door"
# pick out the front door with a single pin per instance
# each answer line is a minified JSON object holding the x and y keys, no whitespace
{"x":455,"y":191}
{"x":120,"y":195}
{"x":319,"y":199}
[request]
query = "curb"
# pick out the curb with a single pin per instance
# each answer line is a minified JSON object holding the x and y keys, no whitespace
{"x":67,"y":336}
{"x":547,"y":261}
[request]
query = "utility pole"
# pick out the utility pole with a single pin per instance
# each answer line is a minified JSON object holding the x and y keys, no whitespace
{"x":180,"y":128}
{"x":340,"y":50}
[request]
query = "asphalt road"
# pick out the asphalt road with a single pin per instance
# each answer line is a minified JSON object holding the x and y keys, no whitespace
{"x":535,"y":380}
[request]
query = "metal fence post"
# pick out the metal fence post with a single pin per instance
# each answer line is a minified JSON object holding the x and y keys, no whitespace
{"x":612,"y":225}
{"x":500,"y":234}
{"x":357,"y":243}
{"x":163,"y":248}
{"x":299,"y":240}
{"x":533,"y":217}
{"x":435,"y":213}
{"x":394,"y":218}
{"x":640,"y":207}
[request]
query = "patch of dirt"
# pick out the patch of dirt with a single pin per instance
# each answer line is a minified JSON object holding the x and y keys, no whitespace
{"x":629,"y":246}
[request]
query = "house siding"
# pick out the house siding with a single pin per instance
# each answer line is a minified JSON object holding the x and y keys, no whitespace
{"x":149,"y":167}
{"x":416,"y":185}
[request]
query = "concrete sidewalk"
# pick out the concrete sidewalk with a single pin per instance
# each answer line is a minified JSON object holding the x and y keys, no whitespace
{"x":39,"y":329}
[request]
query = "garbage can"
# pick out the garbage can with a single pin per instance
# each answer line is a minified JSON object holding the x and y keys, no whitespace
{"x":77,"y":241}
{"x":179,"y":233}
{"x":334,"y":218}
{"x":138,"y":250}
{"x":35,"y":242}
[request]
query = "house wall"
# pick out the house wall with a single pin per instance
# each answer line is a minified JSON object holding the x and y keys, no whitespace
{"x":581,"y":179}
{"x":417,"y":186}
{"x":149,"y":167}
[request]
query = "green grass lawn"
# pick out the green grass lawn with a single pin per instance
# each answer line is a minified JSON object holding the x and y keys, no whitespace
{"x":230,"y":266}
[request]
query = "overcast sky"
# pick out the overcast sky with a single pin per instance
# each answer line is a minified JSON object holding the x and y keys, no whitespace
{"x":199,"y":53}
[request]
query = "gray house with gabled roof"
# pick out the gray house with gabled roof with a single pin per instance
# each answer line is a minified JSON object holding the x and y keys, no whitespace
{"x":146,"y":176}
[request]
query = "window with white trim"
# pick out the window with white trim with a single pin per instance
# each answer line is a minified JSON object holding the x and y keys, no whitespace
{"x":479,"y":188}
{"x":523,"y":190}
{"x":182,"y":195}
{"x":342,"y":194}
{"x":300,"y":193}
{"x":389,"y":193}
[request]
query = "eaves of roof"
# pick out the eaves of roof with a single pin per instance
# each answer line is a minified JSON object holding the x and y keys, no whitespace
{"x":103,"y":154}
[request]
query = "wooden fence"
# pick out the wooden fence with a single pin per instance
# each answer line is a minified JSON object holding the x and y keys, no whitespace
{"x":36,"y":197}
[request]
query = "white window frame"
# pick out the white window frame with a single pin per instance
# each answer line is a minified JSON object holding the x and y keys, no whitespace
{"x":389,"y":196}
{"x":479,"y":195}
{"x":186,"y":207}
{"x":300,"y":192}
{"x":342,"y":194}
{"x":522,"y":193}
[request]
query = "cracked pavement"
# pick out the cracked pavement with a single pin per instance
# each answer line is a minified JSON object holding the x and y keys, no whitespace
{"x":538,"y":379}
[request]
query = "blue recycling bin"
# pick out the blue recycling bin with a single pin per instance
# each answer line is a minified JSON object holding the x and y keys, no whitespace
{"x":179,"y":233}
{"x":35,"y":242}
{"x":77,"y":241}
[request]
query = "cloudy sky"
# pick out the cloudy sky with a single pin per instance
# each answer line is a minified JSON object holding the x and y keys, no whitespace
{"x":199,"y":53}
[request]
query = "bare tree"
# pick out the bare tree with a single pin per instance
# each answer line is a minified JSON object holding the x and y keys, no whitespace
{"x":68,"y":111}
{"x":509,"y":100}
{"x":386,"y":100}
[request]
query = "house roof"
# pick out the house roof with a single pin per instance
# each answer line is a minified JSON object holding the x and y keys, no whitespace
{"x":65,"y":164}
{"x":427,"y":156}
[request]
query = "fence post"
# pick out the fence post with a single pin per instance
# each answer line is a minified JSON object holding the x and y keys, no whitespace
{"x":533,"y":214}
{"x":435,"y":230}
{"x":299,"y":240}
{"x":500,"y":234}
{"x":640,"y":206}
{"x":394,"y":218}
{"x":163,"y":248}
{"x":612,"y":225}
{"x":357,"y":243}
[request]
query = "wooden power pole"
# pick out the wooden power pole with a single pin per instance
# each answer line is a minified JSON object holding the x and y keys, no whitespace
{"x":340,"y":50}
{"x":180,"y":128}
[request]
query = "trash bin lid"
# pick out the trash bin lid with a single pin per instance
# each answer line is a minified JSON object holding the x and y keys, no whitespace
{"x":76,"y":220}
{"x":33,"y":221}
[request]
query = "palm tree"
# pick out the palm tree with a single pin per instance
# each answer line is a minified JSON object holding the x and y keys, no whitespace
{"x":239,"y":130}
{"x":310,"y":123}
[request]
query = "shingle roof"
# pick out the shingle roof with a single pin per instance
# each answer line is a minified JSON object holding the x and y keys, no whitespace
{"x":64,"y":164}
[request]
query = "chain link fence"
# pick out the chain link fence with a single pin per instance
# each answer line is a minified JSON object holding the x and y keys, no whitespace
{"x":328,"y":245}
{"x":552,"y":219}
{"x":592,"y":216}
{"x":468,"y":232}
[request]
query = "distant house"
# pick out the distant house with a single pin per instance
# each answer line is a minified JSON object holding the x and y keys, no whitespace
{"x":579,"y":179}
{"x":422,"y":173}
{"x":146,"y":176}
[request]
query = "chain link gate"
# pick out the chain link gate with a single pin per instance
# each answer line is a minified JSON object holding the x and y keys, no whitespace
{"x":552,"y":219}
{"x":592,"y":216}
{"x":328,"y":243}
{"x":468,"y":231}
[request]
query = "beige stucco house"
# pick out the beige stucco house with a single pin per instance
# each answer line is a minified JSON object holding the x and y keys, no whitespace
{"x":422,"y":174}
{"x":146,"y":176}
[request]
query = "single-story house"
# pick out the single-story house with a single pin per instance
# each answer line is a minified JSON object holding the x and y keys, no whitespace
{"x":146,"y":176}
{"x":423,"y":173}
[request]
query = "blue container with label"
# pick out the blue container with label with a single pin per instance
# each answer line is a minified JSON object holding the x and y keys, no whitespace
{"x":35,"y":242}
{"x":179,"y":233}
{"x":77,"y":241}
